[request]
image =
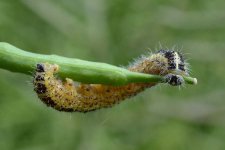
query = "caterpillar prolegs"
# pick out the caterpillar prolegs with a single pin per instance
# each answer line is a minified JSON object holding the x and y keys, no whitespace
{"x":66,"y":96}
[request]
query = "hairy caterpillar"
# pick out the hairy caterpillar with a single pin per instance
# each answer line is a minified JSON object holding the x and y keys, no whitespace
{"x":66,"y":96}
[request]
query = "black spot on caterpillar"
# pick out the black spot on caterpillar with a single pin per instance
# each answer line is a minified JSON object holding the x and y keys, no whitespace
{"x":66,"y":96}
{"x":174,"y":80}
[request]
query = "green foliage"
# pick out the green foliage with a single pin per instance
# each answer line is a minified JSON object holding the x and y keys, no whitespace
{"x":113,"y":32}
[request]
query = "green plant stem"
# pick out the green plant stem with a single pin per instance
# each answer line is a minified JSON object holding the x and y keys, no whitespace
{"x":17,"y":60}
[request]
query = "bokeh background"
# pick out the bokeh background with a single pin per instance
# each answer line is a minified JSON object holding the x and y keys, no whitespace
{"x":115,"y":32}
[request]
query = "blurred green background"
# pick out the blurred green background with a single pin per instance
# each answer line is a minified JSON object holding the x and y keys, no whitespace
{"x":115,"y":32}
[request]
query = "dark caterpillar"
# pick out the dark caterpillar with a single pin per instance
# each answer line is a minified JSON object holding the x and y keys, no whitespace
{"x":66,"y":96}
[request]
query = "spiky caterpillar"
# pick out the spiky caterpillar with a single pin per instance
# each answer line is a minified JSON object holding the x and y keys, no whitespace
{"x":66,"y":96}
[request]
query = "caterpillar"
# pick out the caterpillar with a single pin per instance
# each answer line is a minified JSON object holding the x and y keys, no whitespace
{"x":68,"y":97}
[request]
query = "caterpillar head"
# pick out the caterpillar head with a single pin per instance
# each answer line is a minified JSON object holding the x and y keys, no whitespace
{"x":174,"y":80}
{"x":170,"y":64}
{"x":175,"y":62}
{"x":175,"y":67}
